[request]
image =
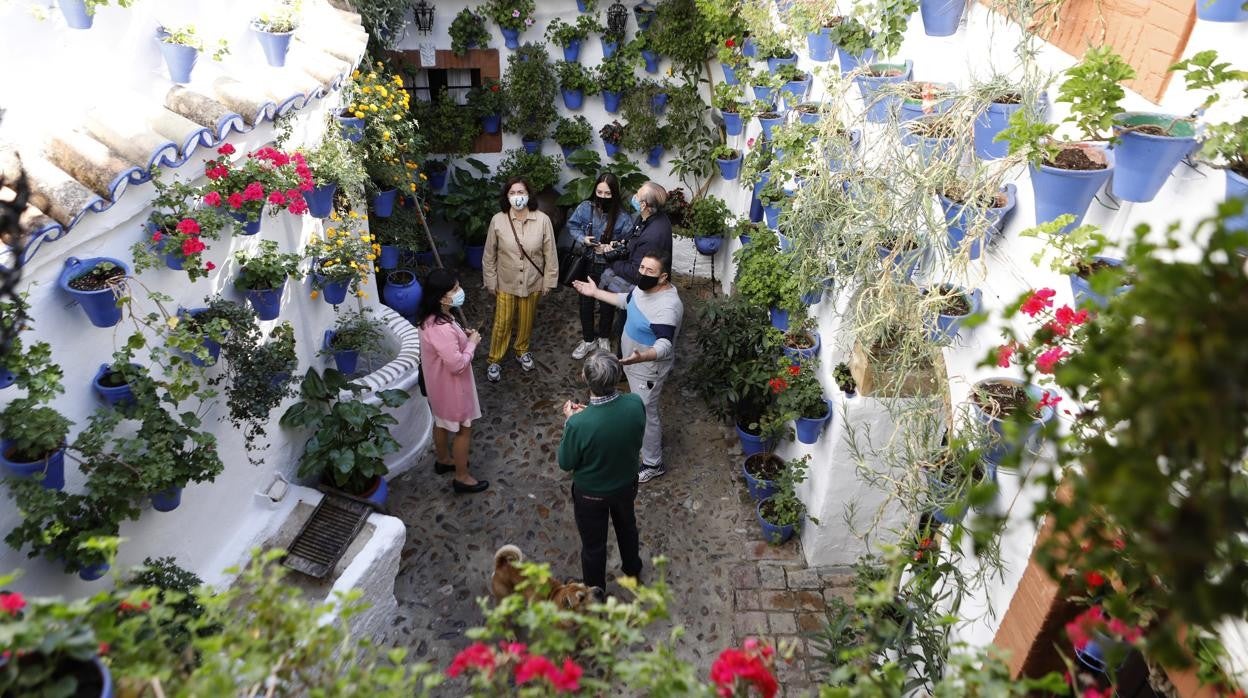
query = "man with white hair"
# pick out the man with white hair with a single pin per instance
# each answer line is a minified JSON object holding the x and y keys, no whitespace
{"x":652,"y":233}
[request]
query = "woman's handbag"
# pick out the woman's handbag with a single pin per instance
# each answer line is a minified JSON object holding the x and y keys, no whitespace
{"x":575,"y":266}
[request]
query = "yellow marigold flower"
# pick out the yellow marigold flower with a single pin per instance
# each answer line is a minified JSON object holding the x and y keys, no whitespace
{"x":314,"y":295}
{"x":360,"y":294}
{"x":385,"y":135}
{"x":366,"y":89}
{"x":372,"y":107}
{"x":359,"y":114}
{"x":355,"y":75}
{"x":381,"y":90}
{"x":412,"y":187}
{"x":370,"y":257}
{"x":422,"y":176}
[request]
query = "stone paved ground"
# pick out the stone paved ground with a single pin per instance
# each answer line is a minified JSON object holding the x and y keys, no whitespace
{"x":726,"y":582}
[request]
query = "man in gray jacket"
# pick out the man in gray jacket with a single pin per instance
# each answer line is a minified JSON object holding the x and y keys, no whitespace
{"x":654,"y":314}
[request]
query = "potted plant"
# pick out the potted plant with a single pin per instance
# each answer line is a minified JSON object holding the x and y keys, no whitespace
{"x":391,"y":148}
{"x":845,"y":380}
{"x":573,"y":133}
{"x":257,"y":377}
{"x":80,"y":14}
{"x":706,"y":221}
{"x":341,"y":427}
{"x":335,"y":167}
{"x":1066,"y":176}
{"x":615,"y":78}
{"x":569,"y":35}
{"x":467,"y":32}
{"x":796,"y":82}
{"x":780,"y":513}
{"x":762,"y":474}
{"x":816,"y":21}
{"x":1224,"y":132}
{"x":354,"y":333}
{"x":98,"y":285}
{"x":801,"y":341}
{"x":53,"y":649}
{"x":340,"y":259}
{"x":799,"y":397}
{"x":853,"y":42}
{"x":575,"y":81}
{"x":773,"y":197}
{"x":33,"y":433}
{"x":488,"y":102}
{"x":469,"y":207}
{"x":262,"y":277}
{"x":181,"y":47}
{"x":512,"y":17}
{"x":176,"y":230}
{"x":941,"y":17}
{"x":60,"y":527}
{"x":730,"y":60}
{"x":950,"y":475}
{"x":727,"y":99}
{"x":612,"y":135}
{"x":765,"y":276}
{"x":267,"y":176}
{"x":871,"y":82}
{"x":998,"y":402}
{"x":729,"y":161}
{"x":952,"y":306}
{"x":1000,"y":96}
{"x":530,"y":84}
{"x":275,"y":30}
{"x":974,"y":217}
{"x":112,"y":383}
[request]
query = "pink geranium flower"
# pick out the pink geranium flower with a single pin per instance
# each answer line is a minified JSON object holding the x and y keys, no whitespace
{"x":1038,"y":301}
{"x":1048,"y":360}
{"x":188,"y":226}
{"x":253,"y":192}
{"x":235,"y":201}
{"x":12,"y":603}
{"x":212,"y":198}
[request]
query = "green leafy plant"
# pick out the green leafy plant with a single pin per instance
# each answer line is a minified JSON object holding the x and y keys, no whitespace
{"x":335,"y":160}
{"x":725,"y":152}
{"x":349,"y":438}
{"x":612,"y":133}
{"x":31,"y":428}
{"x":785,"y":508}
{"x":54,"y":641}
{"x":707,"y":218}
{"x":735,"y":361}
{"x":468,"y":31}
{"x":257,"y":375}
{"x":531,"y":88}
{"x":541,"y":171}
{"x":60,"y":526}
{"x":728,"y":98}
{"x":471,"y":203}
{"x":1224,"y":139}
{"x":844,"y":378}
{"x":851,"y":35}
{"x":185,"y":35}
{"x":563,"y":33}
{"x":178,"y":226}
{"x":356,"y":331}
{"x":590,"y":165}
{"x":267,"y":269}
{"x":618,"y":73}
{"x":449,"y":128}
{"x":573,"y":132}
{"x":1093,"y":90}
{"x":764,"y":274}
{"x":510,"y":14}
{"x":384,"y":20}
{"x":574,"y":76}
{"x":797,"y":390}
{"x":681,"y":32}
{"x":400,"y":230}
{"x":283,"y":18}
{"x":488,"y":98}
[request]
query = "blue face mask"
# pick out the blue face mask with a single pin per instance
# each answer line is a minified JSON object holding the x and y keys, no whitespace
{"x":457,"y":300}
{"x":635,"y":204}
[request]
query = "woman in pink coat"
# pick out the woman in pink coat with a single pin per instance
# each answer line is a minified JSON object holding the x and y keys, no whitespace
{"x":446,"y":363}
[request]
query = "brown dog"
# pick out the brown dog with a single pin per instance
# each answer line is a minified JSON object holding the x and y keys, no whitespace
{"x":570,"y":596}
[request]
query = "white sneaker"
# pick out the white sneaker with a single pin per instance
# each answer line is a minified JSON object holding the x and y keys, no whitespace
{"x":604,"y":344}
{"x":650,"y":472}
{"x":526,"y":362}
{"x":494,"y":373}
{"x":582,"y":350}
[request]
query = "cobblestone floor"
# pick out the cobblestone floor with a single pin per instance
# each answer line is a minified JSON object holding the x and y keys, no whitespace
{"x":726,"y":582}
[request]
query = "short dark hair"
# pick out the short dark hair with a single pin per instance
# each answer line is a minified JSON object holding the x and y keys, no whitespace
{"x":504,"y":205}
{"x":665,"y":261}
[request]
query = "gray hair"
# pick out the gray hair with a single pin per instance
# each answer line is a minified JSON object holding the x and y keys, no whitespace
{"x":602,"y":372}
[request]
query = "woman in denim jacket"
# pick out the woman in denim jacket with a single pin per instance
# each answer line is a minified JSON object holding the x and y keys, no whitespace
{"x":599,"y":219}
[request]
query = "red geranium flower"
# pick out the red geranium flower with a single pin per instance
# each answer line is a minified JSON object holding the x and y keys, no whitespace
{"x":192,"y":246}
{"x":476,"y":655}
{"x":235,"y":201}
{"x":226,"y":149}
{"x":1046,"y":361}
{"x":297,"y":206}
{"x":212,"y":198}
{"x":1049,"y":399}
{"x":157,"y":236}
{"x":730,"y":43}
{"x":1037,"y":301}
{"x":12,"y":603}
{"x":188,"y":226}
{"x":733,"y":664}
{"x":1094,"y":578}
{"x":209,"y":266}
{"x":253,"y":192}
{"x":795,"y":369}
{"x":534,"y":667}
{"x":1004,"y":352}
{"x":777,"y":385}
{"x":277,"y":198}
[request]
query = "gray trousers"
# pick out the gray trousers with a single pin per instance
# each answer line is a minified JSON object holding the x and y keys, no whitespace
{"x":646,"y":381}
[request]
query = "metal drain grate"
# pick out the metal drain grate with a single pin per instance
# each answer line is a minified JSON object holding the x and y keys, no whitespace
{"x":325,"y":536}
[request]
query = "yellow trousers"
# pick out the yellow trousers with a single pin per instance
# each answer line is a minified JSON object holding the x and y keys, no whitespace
{"x":506,"y":310}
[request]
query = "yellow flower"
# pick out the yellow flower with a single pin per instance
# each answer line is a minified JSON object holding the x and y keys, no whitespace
{"x":381,"y":90}
{"x":364,"y":237}
{"x":172,"y":322}
{"x":366,"y":89}
{"x":370,"y":257}
{"x":355,"y":75}
{"x":422,"y":176}
{"x":396,"y":117}
{"x":372,"y":107}
{"x":385,"y":135}
{"x":359,"y":114}
{"x":363,"y":281}
{"x":360,"y":294}
{"x":412,"y":187}
{"x":314,"y":295}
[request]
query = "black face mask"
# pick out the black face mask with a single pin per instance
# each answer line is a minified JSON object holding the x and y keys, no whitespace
{"x":646,"y":283}
{"x":604,"y":202}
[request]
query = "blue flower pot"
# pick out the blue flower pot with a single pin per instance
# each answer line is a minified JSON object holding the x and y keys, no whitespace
{"x":779,"y":318}
{"x":655,"y":158}
{"x":7,"y":378}
{"x":750,"y":443}
{"x":946,"y":327}
{"x":473,"y":255}
{"x":612,"y":149}
{"x":402,"y":292}
{"x":167,"y":500}
{"x":572,"y":52}
{"x":644,"y":12}
{"x":849,"y":62}
{"x":531,"y":146}
{"x":1143,"y":162}
{"x":1059,"y":191}
{"x":758,"y":488}
{"x":652,"y":60}
{"x":50,"y":470}
{"x":100,"y":305}
{"x":819,"y":45}
{"x":811,"y":352}
{"x":114,"y":396}
{"x":572,"y":99}
{"x":246,"y":226}
{"x":1208,"y":10}
{"x":379,"y":494}
{"x":811,"y":298}
{"x":772,"y":533}
{"x":491,"y":123}
{"x":346,"y":360}
{"x":772,"y":215}
{"x":267,"y":302}
{"x":389,"y":257}
{"x":180,"y":60}
{"x":437,"y":179}
{"x":880,"y":107}
{"x":90,"y":573}
{"x":75,"y":12}
{"x":732,"y":123}
{"x":765,"y":94}
{"x":905,"y":261}
{"x":708,"y":245}
{"x":1082,"y":291}
{"x":795,"y":91}
{"x":959,"y":221}
{"x":769,"y":123}
{"x":729,"y":169}
{"x":383,"y":203}
{"x":351,"y":128}
{"x":774,"y":63}
{"x":609,"y":47}
{"x":809,"y":430}
{"x":1237,"y":188}
{"x":941,"y":17}
{"x":320,"y":200}
{"x":276,"y":45}
{"x":730,"y":74}
{"x":581,"y":6}
{"x":809,"y":117}
{"x":838,"y":156}
{"x":511,"y":38}
{"x":745,"y":239}
{"x":912,"y":109}
{"x":173,"y":260}
{"x":749,"y":49}
{"x":567,"y":150}
{"x":213,"y":347}
{"x":334,"y":292}
{"x":658,"y":103}
{"x":1000,"y":446}
{"x":988,"y":124}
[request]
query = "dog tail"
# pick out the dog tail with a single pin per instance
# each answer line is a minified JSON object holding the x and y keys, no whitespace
{"x":506,"y":555}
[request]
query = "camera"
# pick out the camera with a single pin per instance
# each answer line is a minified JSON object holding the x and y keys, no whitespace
{"x":617,"y":252}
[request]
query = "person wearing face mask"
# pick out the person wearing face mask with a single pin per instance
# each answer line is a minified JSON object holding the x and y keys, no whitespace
{"x":446,"y":352}
{"x":653,"y":316}
{"x":651,"y":232}
{"x":598,"y":220}
{"x":519,"y":266}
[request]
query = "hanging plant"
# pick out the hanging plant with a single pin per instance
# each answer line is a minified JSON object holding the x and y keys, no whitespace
{"x":468,"y":31}
{"x":176,"y":230}
{"x":531,"y":87}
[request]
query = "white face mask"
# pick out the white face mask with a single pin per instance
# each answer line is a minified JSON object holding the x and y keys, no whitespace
{"x":519,"y":201}
{"x":457,"y":298}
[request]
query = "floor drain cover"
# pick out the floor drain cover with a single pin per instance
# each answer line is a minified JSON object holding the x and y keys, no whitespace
{"x":325,"y":536}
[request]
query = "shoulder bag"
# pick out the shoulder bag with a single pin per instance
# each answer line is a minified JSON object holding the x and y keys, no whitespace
{"x":541,"y":271}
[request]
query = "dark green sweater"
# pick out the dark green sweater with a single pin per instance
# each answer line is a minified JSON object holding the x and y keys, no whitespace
{"x":602,"y":443}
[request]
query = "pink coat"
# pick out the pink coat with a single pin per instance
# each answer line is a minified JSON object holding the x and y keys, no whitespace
{"x":446,"y":359}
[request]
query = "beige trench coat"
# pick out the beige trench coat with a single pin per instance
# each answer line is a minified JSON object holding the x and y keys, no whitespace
{"x":504,"y":269}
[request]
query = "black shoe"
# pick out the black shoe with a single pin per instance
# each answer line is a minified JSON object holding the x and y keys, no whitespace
{"x":443,"y":468}
{"x":461,"y":488}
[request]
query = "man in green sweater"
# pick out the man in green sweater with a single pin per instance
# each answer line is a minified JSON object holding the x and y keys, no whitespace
{"x":601,"y":446}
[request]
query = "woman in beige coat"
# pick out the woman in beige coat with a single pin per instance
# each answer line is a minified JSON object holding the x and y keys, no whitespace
{"x":518,"y":267}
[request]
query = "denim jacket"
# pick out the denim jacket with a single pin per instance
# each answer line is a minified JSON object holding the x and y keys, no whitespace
{"x":588,"y":220}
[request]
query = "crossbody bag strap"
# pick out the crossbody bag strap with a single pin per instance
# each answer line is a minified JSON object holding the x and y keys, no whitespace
{"x":541,"y":271}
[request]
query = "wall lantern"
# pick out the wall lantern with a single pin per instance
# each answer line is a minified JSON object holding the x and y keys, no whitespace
{"x":424,"y":16}
{"x":617,"y":19}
